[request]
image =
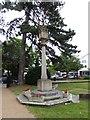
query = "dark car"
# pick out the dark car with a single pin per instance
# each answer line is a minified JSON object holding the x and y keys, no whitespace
{"x":4,"y":78}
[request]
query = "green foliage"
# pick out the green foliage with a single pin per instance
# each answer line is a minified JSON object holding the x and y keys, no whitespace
{"x":33,"y":75}
{"x":32,"y":58}
{"x":34,"y":18}
{"x":85,"y":77}
{"x":51,"y":69}
{"x":10,"y":56}
{"x":67,"y":64}
{"x":36,"y":14}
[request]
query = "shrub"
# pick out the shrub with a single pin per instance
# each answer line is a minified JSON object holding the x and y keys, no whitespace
{"x":33,"y":75}
{"x":85,"y":77}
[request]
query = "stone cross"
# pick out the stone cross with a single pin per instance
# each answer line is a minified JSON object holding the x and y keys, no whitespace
{"x":44,"y":84}
{"x":43,"y":36}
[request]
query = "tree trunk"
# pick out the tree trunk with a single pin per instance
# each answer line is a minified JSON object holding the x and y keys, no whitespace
{"x":22,"y":61}
{"x":23,"y":56}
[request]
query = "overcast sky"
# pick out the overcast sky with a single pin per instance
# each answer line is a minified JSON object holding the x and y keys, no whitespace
{"x":76,"y":17}
{"x":75,"y":13}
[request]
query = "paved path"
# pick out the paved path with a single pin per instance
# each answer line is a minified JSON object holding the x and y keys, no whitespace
{"x":0,"y":101}
{"x":11,"y":108}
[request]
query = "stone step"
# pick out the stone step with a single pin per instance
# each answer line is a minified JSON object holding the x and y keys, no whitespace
{"x":22,"y":99}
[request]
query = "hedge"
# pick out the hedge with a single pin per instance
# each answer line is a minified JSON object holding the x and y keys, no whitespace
{"x":33,"y":75}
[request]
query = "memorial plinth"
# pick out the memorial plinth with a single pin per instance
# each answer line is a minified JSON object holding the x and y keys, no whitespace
{"x":44,"y":85}
{"x":49,"y":98}
{"x":45,"y":93}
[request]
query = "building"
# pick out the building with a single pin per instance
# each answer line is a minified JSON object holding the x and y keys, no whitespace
{"x":89,"y":60}
{"x":83,"y":72}
{"x":85,"y":60}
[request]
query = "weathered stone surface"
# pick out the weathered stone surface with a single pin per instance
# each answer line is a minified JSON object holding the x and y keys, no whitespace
{"x":44,"y":85}
{"x":74,"y":98}
{"x":65,"y":95}
{"x":36,"y":99}
{"x":22,"y":99}
{"x":57,"y":101}
{"x":27,"y":94}
{"x":54,"y":86}
{"x":47,"y":93}
{"x":41,"y":96}
{"x":51,"y":95}
{"x":48,"y":98}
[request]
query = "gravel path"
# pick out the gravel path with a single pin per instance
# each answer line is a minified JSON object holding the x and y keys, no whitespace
{"x":11,"y":108}
{"x":0,"y":102}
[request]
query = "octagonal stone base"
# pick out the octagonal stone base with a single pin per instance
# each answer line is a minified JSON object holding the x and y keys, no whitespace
{"x":47,"y":99}
{"x":22,"y":99}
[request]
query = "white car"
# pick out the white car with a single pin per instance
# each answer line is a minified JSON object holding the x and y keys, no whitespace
{"x":56,"y":77}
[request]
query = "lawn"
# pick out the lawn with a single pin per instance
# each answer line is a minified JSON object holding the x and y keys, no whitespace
{"x":61,"y":111}
{"x":74,"y":88}
{"x":73,"y":110}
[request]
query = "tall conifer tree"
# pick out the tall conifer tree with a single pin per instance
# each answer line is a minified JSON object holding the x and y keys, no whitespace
{"x":39,"y":13}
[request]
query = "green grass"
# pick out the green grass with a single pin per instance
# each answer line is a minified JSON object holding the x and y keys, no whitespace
{"x":71,"y":86}
{"x":17,"y":89}
{"x":74,"y":88}
{"x":61,"y":111}
{"x":73,"y":110}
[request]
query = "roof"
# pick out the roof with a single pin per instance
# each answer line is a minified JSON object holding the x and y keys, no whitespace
{"x":84,"y":69}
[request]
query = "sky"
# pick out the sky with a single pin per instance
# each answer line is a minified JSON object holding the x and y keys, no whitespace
{"x":75,"y":13}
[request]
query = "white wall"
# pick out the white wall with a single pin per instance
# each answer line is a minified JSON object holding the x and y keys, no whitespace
{"x":84,"y":60}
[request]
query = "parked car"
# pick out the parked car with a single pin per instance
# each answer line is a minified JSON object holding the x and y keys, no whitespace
{"x":56,"y":77}
{"x":72,"y":75}
{"x":4,"y":78}
{"x":64,"y":74}
{"x":0,"y":79}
